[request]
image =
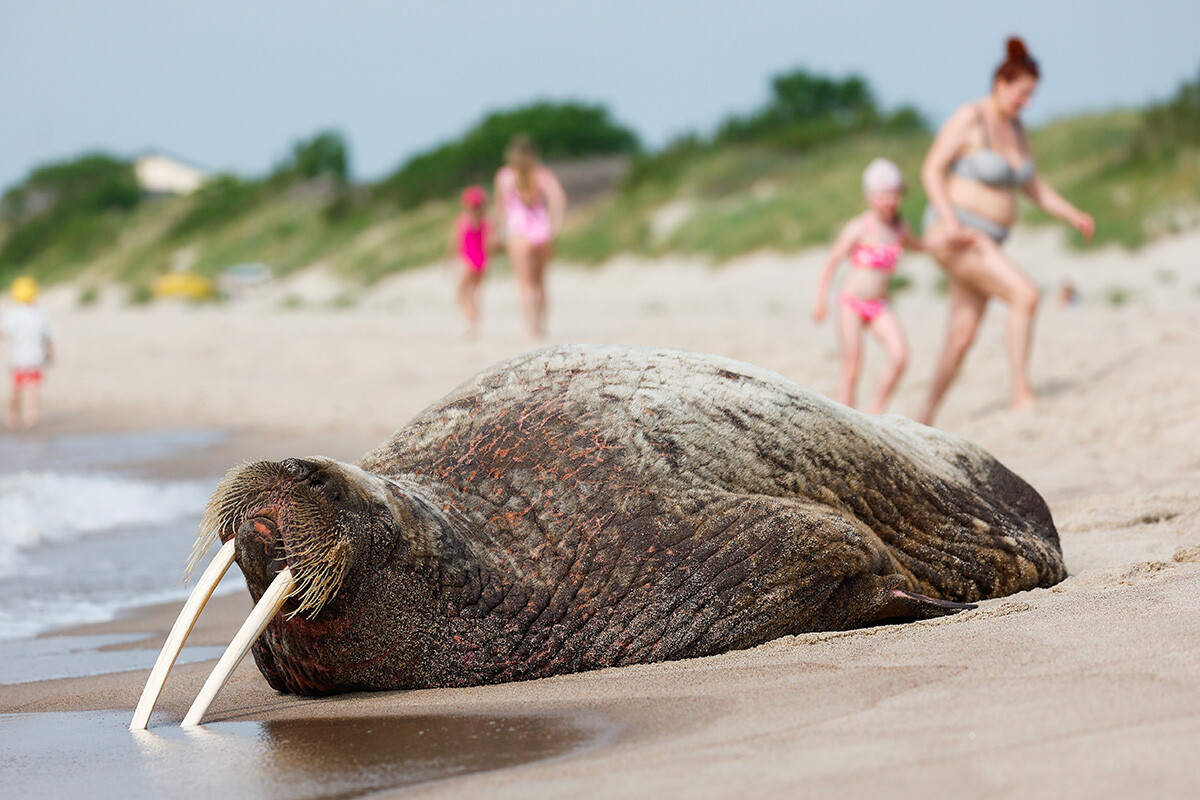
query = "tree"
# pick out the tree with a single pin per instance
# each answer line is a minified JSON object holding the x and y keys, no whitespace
{"x":559,"y":130}
{"x":324,"y":154}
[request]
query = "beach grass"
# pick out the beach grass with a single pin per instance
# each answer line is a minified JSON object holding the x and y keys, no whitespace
{"x":711,"y":202}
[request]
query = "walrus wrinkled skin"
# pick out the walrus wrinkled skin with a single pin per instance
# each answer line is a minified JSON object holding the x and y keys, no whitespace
{"x":592,"y":506}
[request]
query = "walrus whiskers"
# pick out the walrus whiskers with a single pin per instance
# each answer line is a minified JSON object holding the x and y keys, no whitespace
{"x":319,"y":572}
{"x":228,"y":502}
{"x":179,"y":633}
{"x":264,"y":611}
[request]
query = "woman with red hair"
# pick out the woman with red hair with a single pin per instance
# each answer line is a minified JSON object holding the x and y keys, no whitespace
{"x":978,"y":160}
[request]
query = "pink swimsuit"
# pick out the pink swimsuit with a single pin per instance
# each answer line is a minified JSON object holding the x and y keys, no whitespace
{"x":866,"y":309}
{"x":531,"y":223}
{"x":882,"y":257}
{"x":472,"y":243}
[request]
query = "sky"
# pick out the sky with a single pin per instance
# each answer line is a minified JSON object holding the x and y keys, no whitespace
{"x":231,"y":85}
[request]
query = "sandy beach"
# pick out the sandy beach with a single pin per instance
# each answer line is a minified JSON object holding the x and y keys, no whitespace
{"x":1088,"y":689}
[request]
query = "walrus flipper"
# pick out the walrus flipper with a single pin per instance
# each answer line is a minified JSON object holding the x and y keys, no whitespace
{"x":906,"y":606}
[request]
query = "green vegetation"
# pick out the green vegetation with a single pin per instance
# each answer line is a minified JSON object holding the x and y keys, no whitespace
{"x":561,"y":131}
{"x":783,"y":177}
{"x":803,"y":112}
{"x":1137,"y":173}
{"x":65,"y":212}
{"x":807,"y":109}
{"x":326,"y":154}
{"x":1118,"y":296}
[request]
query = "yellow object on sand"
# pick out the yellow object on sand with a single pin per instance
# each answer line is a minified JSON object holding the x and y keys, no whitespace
{"x":187,"y":285}
{"x":24,"y":289}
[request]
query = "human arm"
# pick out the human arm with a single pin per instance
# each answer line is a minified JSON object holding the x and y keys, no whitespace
{"x":497,"y":210}
{"x":556,"y":199}
{"x":851,"y":233}
{"x":949,"y":143}
{"x":910,"y":240}
{"x":1050,"y":201}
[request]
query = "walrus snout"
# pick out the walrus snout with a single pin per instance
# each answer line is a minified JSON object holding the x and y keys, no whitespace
{"x":259,"y":527}
{"x":260,"y":550}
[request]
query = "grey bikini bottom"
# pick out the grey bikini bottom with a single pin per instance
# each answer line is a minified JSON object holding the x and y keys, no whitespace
{"x":995,"y":230}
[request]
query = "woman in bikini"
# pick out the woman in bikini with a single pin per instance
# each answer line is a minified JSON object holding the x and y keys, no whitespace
{"x":530,"y":207}
{"x":874,"y":242}
{"x":978,"y":160}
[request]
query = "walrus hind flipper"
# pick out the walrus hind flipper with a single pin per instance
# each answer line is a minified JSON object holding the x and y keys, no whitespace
{"x":906,"y":606}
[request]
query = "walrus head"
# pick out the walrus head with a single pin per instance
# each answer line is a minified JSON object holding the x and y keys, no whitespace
{"x":305,"y":515}
{"x":299,"y":529}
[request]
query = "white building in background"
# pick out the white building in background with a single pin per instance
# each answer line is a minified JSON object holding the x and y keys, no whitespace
{"x":161,"y":174}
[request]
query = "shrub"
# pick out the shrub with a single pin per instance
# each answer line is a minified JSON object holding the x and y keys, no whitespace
{"x":1171,"y":124}
{"x":218,"y":202}
{"x":325,"y":154}
{"x":560,"y":130}
{"x":807,"y":109}
{"x":69,"y":206}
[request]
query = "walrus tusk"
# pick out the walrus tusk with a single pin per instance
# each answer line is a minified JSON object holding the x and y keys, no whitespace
{"x":179,"y":633}
{"x":270,"y":603}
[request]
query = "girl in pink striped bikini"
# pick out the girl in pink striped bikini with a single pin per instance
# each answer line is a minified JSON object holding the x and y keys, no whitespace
{"x":874,"y":242}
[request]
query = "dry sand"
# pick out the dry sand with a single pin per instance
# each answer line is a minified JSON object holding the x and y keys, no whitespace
{"x":1089,"y":689}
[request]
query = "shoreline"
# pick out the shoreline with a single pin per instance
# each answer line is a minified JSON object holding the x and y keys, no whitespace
{"x":1088,"y":689}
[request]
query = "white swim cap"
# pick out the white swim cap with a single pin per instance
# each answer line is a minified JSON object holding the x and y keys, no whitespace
{"x":882,"y":175}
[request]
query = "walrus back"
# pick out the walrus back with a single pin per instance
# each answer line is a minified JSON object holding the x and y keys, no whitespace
{"x":550,"y":423}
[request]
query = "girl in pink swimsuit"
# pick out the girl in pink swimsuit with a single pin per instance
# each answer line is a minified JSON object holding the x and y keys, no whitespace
{"x":873,"y":241}
{"x":531,"y":205}
{"x":471,"y":237}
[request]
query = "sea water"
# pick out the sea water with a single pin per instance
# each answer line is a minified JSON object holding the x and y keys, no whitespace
{"x":84,"y":534}
{"x":93,"y":755}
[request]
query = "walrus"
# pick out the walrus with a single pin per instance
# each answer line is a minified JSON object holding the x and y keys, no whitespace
{"x":582,"y":507}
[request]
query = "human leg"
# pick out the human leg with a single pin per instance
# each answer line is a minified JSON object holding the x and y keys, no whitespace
{"x":995,"y":274}
{"x":850,"y":327}
{"x":31,"y":405}
{"x":886,"y":326}
{"x":14,"y":406}
{"x":469,"y":281}
{"x":520,"y":257}
{"x":967,"y":305}
{"x":540,"y":255}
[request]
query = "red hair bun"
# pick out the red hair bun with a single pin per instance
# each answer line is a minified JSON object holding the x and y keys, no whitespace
{"x":1017,"y":62}
{"x":1016,"y":49}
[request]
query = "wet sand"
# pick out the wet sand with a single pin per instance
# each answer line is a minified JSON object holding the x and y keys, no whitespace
{"x":1088,"y":689}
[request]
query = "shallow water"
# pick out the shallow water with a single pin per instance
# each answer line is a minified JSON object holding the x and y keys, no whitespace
{"x":74,"y":452}
{"x":51,"y":657}
{"x":94,"y":755}
{"x":82,"y":537}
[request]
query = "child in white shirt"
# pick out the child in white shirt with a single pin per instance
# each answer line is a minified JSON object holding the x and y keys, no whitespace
{"x":31,"y":350}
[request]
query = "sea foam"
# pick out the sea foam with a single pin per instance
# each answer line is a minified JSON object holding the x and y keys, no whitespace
{"x":39,"y":507}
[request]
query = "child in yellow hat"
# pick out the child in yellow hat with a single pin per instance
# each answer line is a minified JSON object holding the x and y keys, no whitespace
{"x":31,"y":350}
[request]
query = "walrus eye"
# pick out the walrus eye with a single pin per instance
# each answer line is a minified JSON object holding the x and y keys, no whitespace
{"x":306,"y":473}
{"x":295,"y":468}
{"x":326,"y":485}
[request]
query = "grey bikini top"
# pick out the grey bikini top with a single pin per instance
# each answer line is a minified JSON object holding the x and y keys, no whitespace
{"x":989,"y":167}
